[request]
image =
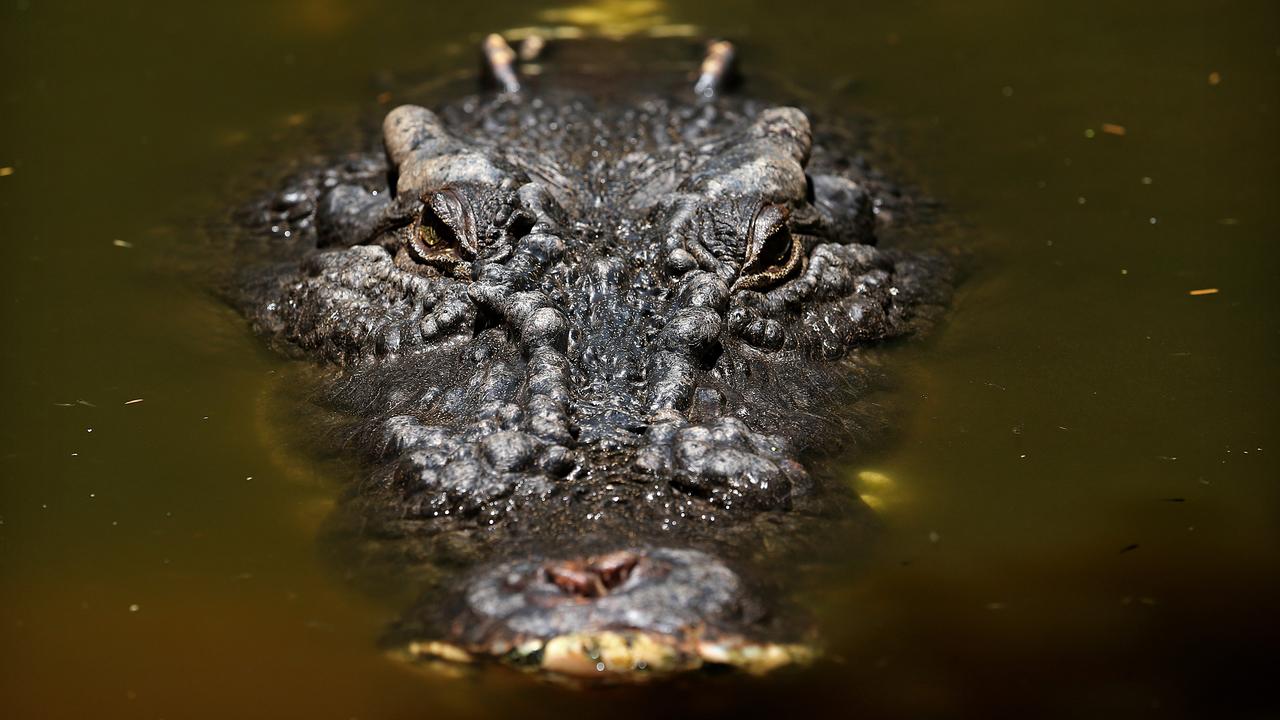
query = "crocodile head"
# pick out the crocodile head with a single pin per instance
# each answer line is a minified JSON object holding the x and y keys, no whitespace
{"x":593,"y":342}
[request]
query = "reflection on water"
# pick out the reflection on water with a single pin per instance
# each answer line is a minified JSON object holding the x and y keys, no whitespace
{"x":1080,"y":513}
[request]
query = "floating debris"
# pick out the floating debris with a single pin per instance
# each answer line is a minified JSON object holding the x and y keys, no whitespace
{"x":1113,"y":129}
{"x":1215,"y":77}
{"x":121,"y":243}
{"x":134,"y":401}
{"x":384,"y":97}
{"x":1203,"y":291}
{"x":6,"y":171}
{"x":84,"y":403}
{"x":1129,"y":548}
{"x":134,"y":607}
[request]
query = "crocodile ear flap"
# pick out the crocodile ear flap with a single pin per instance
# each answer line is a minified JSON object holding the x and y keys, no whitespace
{"x":846,"y":209}
{"x":773,"y":253}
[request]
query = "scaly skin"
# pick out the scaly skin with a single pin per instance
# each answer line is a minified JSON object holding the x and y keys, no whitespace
{"x":594,"y":343}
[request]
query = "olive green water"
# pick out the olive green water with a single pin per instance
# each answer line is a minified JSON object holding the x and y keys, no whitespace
{"x":1082,"y":517}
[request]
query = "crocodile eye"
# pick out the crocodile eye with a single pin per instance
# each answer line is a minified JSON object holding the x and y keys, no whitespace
{"x":444,"y":235}
{"x":773,"y":255}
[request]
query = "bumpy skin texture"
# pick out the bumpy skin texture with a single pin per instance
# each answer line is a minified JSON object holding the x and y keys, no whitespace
{"x":580,"y":320}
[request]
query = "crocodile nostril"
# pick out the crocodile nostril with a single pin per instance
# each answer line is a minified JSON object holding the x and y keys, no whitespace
{"x":615,"y":568}
{"x":575,"y":580}
{"x":592,"y":577}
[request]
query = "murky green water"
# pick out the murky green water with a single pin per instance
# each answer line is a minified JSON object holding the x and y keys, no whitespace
{"x":1084,"y":519}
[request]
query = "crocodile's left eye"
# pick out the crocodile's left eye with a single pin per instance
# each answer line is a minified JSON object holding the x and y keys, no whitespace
{"x":444,"y":235}
{"x":773,"y":255}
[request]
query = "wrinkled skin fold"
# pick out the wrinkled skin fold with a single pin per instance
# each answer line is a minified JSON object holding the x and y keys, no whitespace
{"x":595,"y":345}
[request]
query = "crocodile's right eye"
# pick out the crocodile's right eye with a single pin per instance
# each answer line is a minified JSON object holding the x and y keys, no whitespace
{"x":444,"y":235}
{"x":773,"y":255}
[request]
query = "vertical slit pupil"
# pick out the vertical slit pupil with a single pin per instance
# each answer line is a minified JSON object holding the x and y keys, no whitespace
{"x":776,"y":250}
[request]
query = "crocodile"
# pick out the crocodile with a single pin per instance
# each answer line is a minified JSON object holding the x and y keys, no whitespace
{"x":598,"y":333}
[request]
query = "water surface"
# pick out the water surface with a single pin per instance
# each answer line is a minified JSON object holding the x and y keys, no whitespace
{"x":1081,"y":513}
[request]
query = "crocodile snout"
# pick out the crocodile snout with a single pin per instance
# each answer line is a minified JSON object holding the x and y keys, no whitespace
{"x":622,"y":616}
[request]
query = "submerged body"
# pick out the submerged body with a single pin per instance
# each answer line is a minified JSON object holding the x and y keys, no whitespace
{"x":595,"y":339}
